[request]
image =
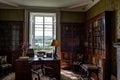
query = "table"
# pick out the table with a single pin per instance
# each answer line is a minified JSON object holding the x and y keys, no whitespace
{"x":23,"y":67}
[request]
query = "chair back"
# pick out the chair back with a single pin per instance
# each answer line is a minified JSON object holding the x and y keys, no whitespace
{"x":49,"y":55}
{"x":41,"y":53}
{"x":30,"y":52}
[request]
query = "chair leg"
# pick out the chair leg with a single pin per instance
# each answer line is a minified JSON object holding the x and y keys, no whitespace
{"x":38,"y":76}
{"x":52,"y":79}
{"x":43,"y":71}
{"x":35,"y":79}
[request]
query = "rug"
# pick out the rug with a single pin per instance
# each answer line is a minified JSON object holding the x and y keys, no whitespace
{"x":11,"y":76}
{"x":69,"y":75}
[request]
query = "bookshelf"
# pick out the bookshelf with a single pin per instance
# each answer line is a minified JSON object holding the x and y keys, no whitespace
{"x":100,"y":42}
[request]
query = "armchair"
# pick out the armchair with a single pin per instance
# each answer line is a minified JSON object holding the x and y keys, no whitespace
{"x":5,"y":67}
{"x":30,"y":52}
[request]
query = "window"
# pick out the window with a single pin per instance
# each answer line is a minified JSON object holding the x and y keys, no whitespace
{"x":42,"y":30}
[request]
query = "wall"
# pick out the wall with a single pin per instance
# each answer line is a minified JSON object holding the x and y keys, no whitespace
{"x":109,"y":5}
{"x":12,"y":14}
{"x":72,"y":17}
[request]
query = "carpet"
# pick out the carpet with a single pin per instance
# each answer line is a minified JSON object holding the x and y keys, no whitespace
{"x":69,"y":75}
{"x":11,"y":76}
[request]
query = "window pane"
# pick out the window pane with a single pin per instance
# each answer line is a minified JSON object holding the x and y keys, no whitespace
{"x":39,"y":37}
{"x":38,"y":20}
{"x":39,"y":33}
{"x":48,"y":20}
{"x":39,"y":42}
{"x":48,"y":26}
{"x":38,"y":30}
{"x":48,"y":39}
{"x":39,"y":26}
{"x":48,"y":36}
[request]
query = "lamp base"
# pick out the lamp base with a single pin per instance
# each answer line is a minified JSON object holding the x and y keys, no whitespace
{"x":55,"y":56}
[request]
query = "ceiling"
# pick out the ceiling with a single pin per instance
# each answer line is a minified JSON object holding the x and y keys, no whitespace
{"x":66,"y":5}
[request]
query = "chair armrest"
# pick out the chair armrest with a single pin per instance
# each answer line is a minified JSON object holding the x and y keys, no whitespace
{"x":47,"y":67}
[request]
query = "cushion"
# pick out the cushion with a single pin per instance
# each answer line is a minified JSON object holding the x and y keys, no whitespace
{"x":3,"y":66}
{"x":3,"y":59}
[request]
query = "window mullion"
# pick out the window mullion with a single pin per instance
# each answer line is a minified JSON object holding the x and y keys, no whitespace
{"x":43,"y":31}
{"x":53,"y":28}
{"x":33,"y":31}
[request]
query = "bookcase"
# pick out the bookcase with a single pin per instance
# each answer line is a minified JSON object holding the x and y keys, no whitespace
{"x":96,"y":36}
{"x":99,"y":42}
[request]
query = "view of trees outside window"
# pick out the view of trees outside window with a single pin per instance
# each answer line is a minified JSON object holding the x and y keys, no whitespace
{"x":44,"y":32}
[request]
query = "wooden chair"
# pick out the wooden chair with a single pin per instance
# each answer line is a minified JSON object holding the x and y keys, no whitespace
{"x":41,"y":53}
{"x":30,"y":52}
{"x":49,"y":55}
{"x":46,"y":69}
{"x":36,"y":68}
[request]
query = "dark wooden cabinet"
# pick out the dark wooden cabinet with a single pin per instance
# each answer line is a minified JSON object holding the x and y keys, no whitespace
{"x":23,"y":70}
{"x":72,"y":39}
{"x":11,"y":36}
{"x":99,"y":42}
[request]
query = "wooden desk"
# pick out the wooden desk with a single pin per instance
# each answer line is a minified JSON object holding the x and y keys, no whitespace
{"x":23,"y":67}
{"x":23,"y":70}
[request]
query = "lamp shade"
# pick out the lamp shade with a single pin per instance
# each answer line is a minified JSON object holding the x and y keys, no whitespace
{"x":55,"y":43}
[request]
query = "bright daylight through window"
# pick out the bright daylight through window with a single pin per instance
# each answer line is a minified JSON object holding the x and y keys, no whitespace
{"x":42,"y":30}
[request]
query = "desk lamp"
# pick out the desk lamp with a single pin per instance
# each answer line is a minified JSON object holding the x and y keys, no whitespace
{"x":56,"y":44}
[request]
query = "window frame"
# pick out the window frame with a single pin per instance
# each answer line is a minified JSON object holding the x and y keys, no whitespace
{"x":53,"y":15}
